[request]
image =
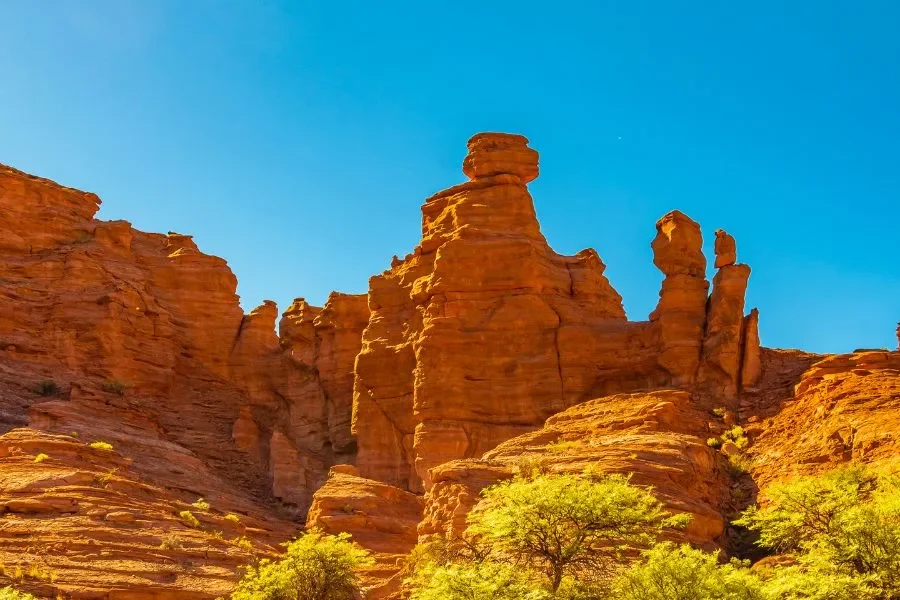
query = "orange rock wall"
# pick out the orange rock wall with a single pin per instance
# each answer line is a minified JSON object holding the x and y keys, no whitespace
{"x":484,"y":332}
{"x":144,"y":337}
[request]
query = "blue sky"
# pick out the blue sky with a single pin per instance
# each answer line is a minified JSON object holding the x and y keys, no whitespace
{"x":298,"y":139}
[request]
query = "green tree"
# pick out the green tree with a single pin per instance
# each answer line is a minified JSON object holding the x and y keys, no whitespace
{"x":315,"y":567}
{"x":671,"y":572}
{"x":573,"y":525}
{"x":807,"y":508}
{"x":843,"y":526}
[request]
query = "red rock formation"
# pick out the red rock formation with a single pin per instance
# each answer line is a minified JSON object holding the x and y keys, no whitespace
{"x":90,"y":524}
{"x":751,"y":353}
{"x":381,"y":518}
{"x":723,"y":340}
{"x":844,"y":407}
{"x":681,"y":312}
{"x":659,"y":436}
{"x":483,"y":331}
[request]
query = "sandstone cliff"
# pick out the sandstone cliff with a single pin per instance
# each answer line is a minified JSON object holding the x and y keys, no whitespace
{"x":480,"y":354}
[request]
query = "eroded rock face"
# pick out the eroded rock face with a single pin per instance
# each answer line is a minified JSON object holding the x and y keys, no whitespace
{"x":659,"y":436}
{"x":844,"y":407}
{"x":483,"y":332}
{"x":680,"y":315}
{"x":87,"y":517}
{"x":145,"y":345}
{"x":381,"y":518}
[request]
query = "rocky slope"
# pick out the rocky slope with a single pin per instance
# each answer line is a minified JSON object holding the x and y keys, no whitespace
{"x":480,"y":354}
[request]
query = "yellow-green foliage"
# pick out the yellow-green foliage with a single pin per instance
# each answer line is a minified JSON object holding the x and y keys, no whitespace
{"x":114,"y":386}
{"x":844,"y":528}
{"x":315,"y":567}
{"x":188,"y":518}
{"x":736,"y":436}
{"x":233,"y":518}
{"x":563,"y":446}
{"x":467,"y":580}
{"x":714,"y":442}
{"x":671,"y":572}
{"x":8,"y":593}
{"x":556,"y":530}
{"x":41,"y":457}
{"x":171,"y":542}
{"x":201,"y":504}
{"x":101,"y":445}
{"x":530,"y":466}
{"x":243,"y":543}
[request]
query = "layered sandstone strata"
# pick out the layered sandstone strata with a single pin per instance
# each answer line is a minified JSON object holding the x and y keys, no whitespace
{"x":139,"y":339}
{"x":659,"y":437}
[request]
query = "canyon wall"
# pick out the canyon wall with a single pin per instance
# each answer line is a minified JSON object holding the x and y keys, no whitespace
{"x":481,"y":354}
{"x":144,"y":343}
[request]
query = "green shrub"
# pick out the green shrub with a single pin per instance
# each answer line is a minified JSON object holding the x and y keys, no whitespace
{"x":41,"y":457}
{"x":233,"y":518}
{"x":465,"y":581}
{"x":671,"y":572}
{"x":201,"y":504}
{"x":315,"y":567}
{"x":8,"y":593}
{"x":843,"y":526}
{"x":101,"y":445}
{"x":47,"y":387}
{"x":563,"y":525}
{"x":243,"y":543}
{"x":530,"y":466}
{"x":171,"y":542}
{"x":114,"y":386}
{"x":188,"y":518}
{"x":738,"y":465}
{"x":714,"y":443}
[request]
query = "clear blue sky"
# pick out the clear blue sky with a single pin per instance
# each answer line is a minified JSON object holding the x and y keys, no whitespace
{"x":298,"y":139}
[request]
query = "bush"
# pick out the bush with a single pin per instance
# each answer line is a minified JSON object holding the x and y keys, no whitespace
{"x":243,"y":543}
{"x":233,"y":518}
{"x":41,"y":457}
{"x":8,"y":593}
{"x":188,"y":518}
{"x":114,"y":386}
{"x":101,"y":445}
{"x":315,"y":567}
{"x":844,"y":527}
{"x":201,"y":504}
{"x":568,"y":524}
{"x":465,"y":581}
{"x":171,"y":542}
{"x":673,"y":572}
{"x":714,"y":443}
{"x":47,"y":387}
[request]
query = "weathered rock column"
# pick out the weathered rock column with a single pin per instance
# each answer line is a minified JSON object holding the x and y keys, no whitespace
{"x":723,"y":338}
{"x":681,"y":312}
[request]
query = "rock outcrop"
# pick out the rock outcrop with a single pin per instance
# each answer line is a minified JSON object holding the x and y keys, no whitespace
{"x":81,"y":523}
{"x":381,"y":518}
{"x":138,"y":338}
{"x":658,"y":436}
{"x":484,"y":332}
{"x":480,"y":354}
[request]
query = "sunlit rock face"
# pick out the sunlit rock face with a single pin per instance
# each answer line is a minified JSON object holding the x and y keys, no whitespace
{"x":483,"y":331}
